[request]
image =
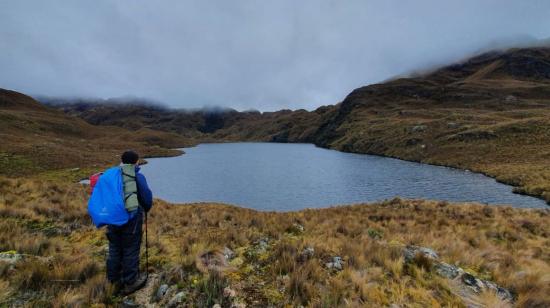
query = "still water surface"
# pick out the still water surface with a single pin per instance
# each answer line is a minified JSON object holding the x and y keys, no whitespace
{"x":287,"y":177}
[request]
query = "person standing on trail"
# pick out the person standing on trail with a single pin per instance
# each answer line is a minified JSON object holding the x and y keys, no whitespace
{"x":125,"y":240}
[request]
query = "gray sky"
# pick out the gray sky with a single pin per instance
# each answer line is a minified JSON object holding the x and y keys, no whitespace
{"x":264,"y":55}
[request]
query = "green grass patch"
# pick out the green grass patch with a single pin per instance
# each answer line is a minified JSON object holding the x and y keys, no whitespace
{"x":16,"y":165}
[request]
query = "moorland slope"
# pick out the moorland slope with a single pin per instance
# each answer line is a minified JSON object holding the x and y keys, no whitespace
{"x":37,"y":139}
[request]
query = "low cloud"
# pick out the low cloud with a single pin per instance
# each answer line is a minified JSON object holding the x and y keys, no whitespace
{"x":245,"y":54}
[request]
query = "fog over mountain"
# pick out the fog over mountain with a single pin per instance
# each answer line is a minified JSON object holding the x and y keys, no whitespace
{"x":245,"y":54}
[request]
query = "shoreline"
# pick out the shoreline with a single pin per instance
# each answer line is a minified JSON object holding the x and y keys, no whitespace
{"x":513,"y":187}
{"x":454,"y":204}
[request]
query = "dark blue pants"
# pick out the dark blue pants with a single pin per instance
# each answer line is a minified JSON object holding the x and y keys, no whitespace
{"x":124,"y":246}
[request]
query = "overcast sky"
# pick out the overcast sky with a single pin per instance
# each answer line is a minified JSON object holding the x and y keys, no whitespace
{"x":264,"y":55}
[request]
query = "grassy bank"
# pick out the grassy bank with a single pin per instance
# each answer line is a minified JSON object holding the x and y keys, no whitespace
{"x":511,"y":144}
{"x":38,"y":140}
{"x":277,"y":258}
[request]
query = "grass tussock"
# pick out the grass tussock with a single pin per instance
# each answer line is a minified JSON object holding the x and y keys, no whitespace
{"x":278,"y":258}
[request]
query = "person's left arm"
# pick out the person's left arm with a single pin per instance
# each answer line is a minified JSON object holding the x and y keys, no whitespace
{"x":145,"y":196}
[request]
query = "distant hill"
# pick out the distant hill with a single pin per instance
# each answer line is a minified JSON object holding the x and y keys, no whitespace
{"x":490,"y":113}
{"x":38,"y":138}
{"x":494,"y":81}
{"x":215,"y":124}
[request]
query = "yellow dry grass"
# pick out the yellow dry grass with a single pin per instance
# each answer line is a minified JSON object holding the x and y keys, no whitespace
{"x":64,"y":263}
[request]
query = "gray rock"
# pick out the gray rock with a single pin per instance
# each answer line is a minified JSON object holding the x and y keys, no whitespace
{"x":228,"y":292}
{"x":262,"y":245}
{"x":10,"y":257}
{"x":307,"y":253}
{"x":505,"y":294}
{"x":469,"y":282}
{"x":176,"y":300}
{"x":410,"y":253}
{"x":336,"y":264}
{"x":217,"y":306}
{"x":419,"y":128}
{"x":502,"y":293}
{"x":478,"y":285}
{"x":162,"y":291}
{"x":298,"y":227}
{"x":447,"y":270}
{"x":228,"y":253}
{"x":430,"y":253}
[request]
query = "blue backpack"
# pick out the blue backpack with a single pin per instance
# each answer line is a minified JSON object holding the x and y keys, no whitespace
{"x":106,"y":204}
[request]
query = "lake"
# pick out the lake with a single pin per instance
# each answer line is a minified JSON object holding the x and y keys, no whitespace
{"x":288,"y":177}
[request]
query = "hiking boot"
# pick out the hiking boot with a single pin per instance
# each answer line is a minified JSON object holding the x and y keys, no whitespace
{"x":134,"y":286}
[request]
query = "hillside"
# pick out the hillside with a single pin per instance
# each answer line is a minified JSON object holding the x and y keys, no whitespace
{"x":206,"y":124}
{"x":36,"y":138}
{"x":490,"y":114}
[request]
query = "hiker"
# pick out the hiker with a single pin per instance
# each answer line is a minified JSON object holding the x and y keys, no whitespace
{"x":125,"y":240}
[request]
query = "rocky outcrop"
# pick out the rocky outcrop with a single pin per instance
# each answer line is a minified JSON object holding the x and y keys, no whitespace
{"x":465,"y":285}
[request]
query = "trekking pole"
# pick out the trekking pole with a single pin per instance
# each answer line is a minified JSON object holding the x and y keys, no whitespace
{"x":146,"y":249}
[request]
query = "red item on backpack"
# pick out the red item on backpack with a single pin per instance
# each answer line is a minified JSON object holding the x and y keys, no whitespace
{"x":93,"y":180}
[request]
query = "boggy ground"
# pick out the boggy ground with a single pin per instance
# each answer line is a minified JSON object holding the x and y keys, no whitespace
{"x":276,"y":259}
